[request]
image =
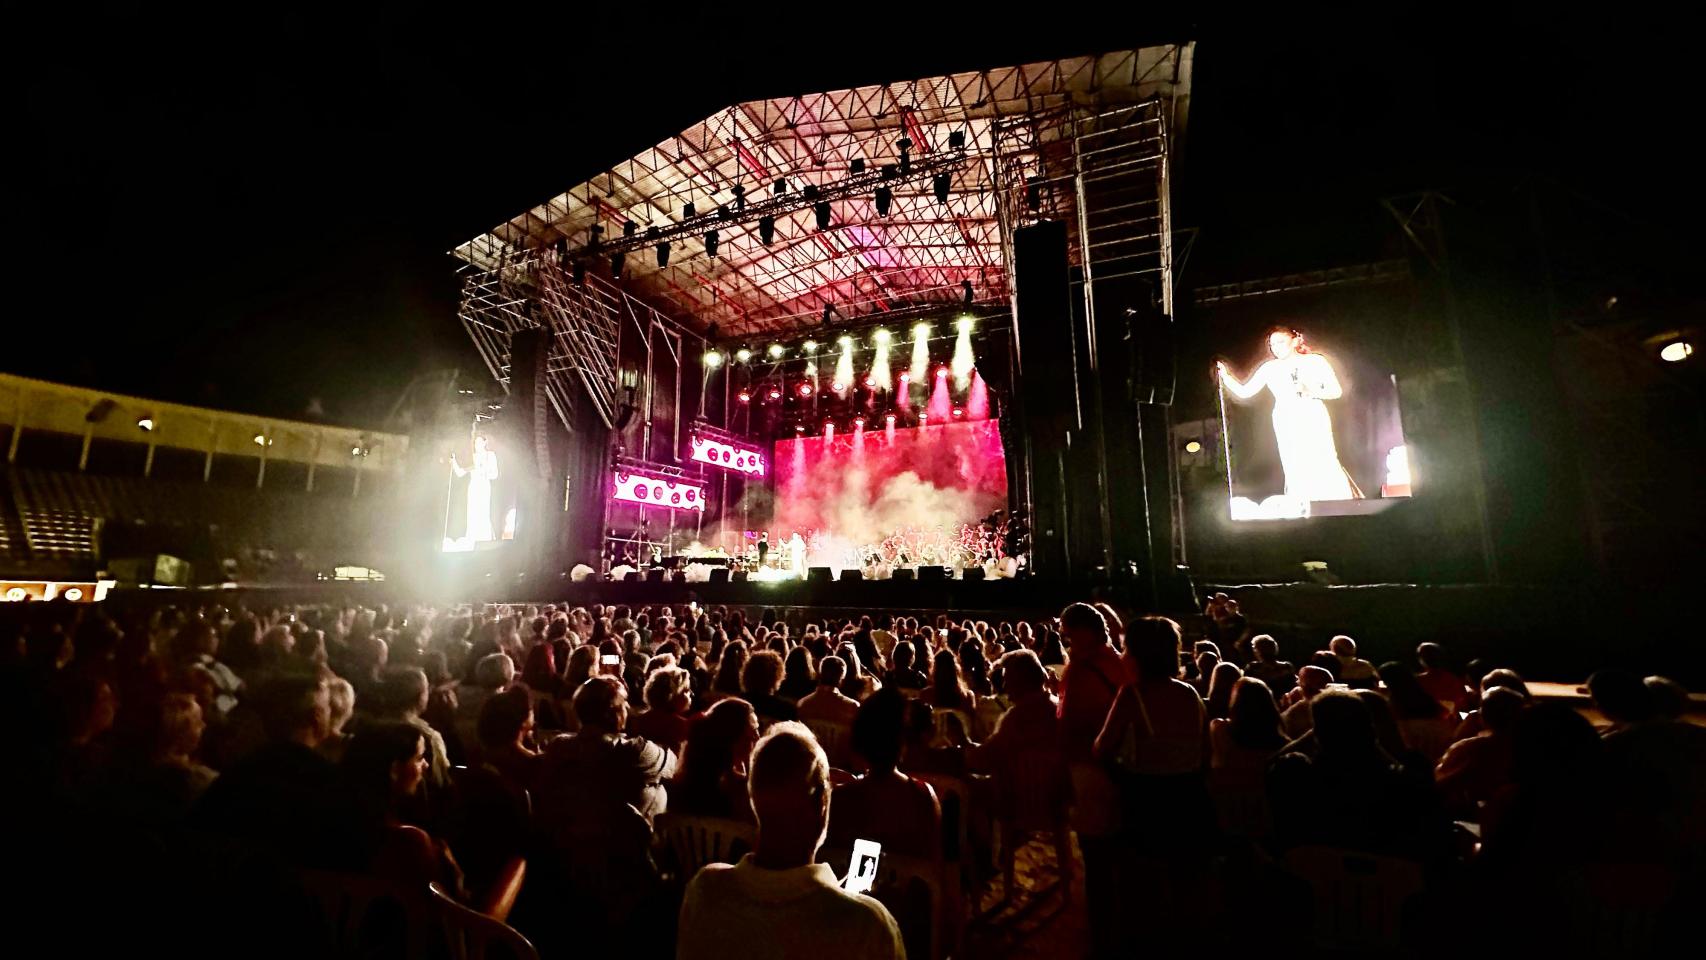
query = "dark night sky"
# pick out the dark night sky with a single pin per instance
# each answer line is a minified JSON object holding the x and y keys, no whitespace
{"x":260,"y":218}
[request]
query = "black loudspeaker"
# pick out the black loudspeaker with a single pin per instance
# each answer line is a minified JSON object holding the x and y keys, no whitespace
{"x":719,"y":574}
{"x":904,"y":573}
{"x":933,"y":574}
{"x":632,"y":577}
{"x":739,"y":576}
{"x":654,"y":575}
{"x":528,"y":409}
{"x":972,"y":573}
{"x":1046,"y":343}
{"x":851,"y":574}
{"x":820,"y":575}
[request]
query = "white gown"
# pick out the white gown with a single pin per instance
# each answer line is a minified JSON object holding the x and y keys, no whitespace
{"x":1304,"y":430}
{"x":480,"y":496}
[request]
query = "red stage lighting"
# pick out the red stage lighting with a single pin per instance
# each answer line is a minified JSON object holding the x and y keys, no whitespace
{"x":805,"y":389}
{"x":958,"y":412}
{"x":941,"y":372}
{"x":870,"y":381}
{"x":858,"y":421}
{"x":775,"y":393}
{"x":744,"y":397}
{"x":890,"y":418}
{"x":799,"y":428}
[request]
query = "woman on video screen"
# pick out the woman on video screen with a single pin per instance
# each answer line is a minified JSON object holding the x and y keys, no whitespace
{"x":1300,"y":381}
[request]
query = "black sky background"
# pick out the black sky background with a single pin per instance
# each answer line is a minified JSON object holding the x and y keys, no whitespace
{"x":250,"y":213}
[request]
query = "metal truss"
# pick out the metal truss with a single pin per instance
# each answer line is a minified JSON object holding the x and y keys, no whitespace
{"x":1380,"y":271}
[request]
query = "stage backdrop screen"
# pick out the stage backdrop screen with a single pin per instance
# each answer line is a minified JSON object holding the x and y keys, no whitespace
{"x":1312,"y":430}
{"x":910,"y":493}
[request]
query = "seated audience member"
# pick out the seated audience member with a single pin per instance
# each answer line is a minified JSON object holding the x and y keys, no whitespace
{"x":1353,"y":671}
{"x":405,"y":694}
{"x":1296,"y":718}
{"x":713,"y":771}
{"x":1218,"y":702}
{"x":1351,"y":794}
{"x":1252,"y":734}
{"x":383,"y":769}
{"x":1475,"y":769}
{"x":799,"y":679}
{"x":1621,"y":697}
{"x":948,"y":691}
{"x":905,"y":674}
{"x":885,"y":805}
{"x":859,"y":683}
{"x":730,"y":666}
{"x":341,"y":697}
{"x":595,"y":771}
{"x":829,"y":703}
{"x":760,"y":681}
{"x":505,"y":735}
{"x":1668,"y":699}
{"x":1441,"y":683}
{"x":1204,"y":663}
{"x":778,"y":901}
{"x":1491,"y":680}
{"x":1554,"y":812}
{"x":1266,"y":666}
{"x":285,"y":798}
{"x":1425,"y":723}
{"x":1032,"y":787}
{"x":492,"y":675}
{"x":669,"y":695}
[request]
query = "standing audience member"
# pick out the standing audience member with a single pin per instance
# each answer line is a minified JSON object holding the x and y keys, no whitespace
{"x":1094,"y":676}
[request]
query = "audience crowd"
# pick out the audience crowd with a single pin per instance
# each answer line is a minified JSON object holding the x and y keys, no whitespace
{"x":190,"y":762}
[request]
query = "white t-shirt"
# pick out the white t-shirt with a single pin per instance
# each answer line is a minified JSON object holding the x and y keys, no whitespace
{"x":750,"y":913}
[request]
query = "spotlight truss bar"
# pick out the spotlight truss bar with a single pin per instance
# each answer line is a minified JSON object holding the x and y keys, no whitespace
{"x":728,"y":456}
{"x":652,"y":491}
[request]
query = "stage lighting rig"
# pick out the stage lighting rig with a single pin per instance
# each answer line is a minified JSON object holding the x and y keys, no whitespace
{"x":766,"y":230}
{"x":710,"y":243}
{"x":885,"y":199}
{"x":956,"y":140}
{"x":743,"y":354}
{"x":821,"y":211}
{"x":776,"y":351}
{"x":740,"y":196}
{"x":663,"y":255}
{"x":940,"y":184}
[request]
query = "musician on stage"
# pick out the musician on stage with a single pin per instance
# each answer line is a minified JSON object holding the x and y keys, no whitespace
{"x":763,"y":547}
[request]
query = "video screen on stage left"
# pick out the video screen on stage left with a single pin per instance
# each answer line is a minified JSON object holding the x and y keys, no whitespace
{"x":1312,"y":429}
{"x":479,"y":509}
{"x":882,"y":499}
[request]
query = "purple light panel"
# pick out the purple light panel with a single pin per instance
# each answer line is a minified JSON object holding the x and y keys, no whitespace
{"x":657,"y":492}
{"x":726,"y":455}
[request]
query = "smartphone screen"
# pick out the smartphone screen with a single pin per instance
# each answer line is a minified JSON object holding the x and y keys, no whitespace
{"x":610,"y":659}
{"x":862,"y":869}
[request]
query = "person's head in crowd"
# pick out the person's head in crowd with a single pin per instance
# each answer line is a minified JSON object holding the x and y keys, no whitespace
{"x":540,"y":669}
{"x":195,"y":639}
{"x":310,"y":648}
{"x":601,"y":706}
{"x":1344,"y":729}
{"x":762,"y":676}
{"x":384,"y":765}
{"x":1254,"y":716}
{"x":905,"y":654}
{"x":950,"y":690}
{"x":557,"y":630}
{"x":1551,"y":744}
{"x":1343,"y":646}
{"x":831,"y":671}
{"x":1385,"y":721}
{"x":1621,"y":696}
{"x":340,"y":699}
{"x":853,"y":684}
{"x":1508,"y":679}
{"x":1220,"y":684}
{"x":879,"y":728}
{"x":198,"y":682}
{"x":369,"y":654}
{"x":1500,"y":709}
{"x":1409,"y":699}
{"x":730,"y":668}
{"x":1116,"y":623}
{"x":974,"y":667}
{"x":1206,"y":662}
{"x":1265,"y":647}
{"x":1432,"y":657}
{"x":1313,"y":679}
{"x":789,"y":787}
{"x":1022,"y":674}
{"x":90,"y":707}
{"x":719,"y":745}
{"x":296,"y":708}
{"x":495,"y":671}
{"x":406,"y":692}
{"x":1084,"y":627}
{"x":1325,"y":660}
{"x":1667,"y":699}
{"x":1201,"y":647}
{"x":583,"y":664}
{"x":506,"y":719}
{"x":1152,"y":648}
{"x":181,"y":727}
{"x":799,"y":672}
{"x":669,"y":690}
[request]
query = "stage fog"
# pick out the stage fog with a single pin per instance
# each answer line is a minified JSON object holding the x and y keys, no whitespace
{"x":905,"y":496}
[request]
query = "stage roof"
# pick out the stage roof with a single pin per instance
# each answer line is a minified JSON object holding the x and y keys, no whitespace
{"x":864,"y":263}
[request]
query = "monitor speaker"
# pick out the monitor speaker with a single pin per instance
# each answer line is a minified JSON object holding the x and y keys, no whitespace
{"x":820,"y":574}
{"x":633,"y":576}
{"x":852,"y":574}
{"x":933,"y":574}
{"x":655,"y":575}
{"x":904,"y":573}
{"x":972,"y":573}
{"x":720,"y":575}
{"x":739,"y":576}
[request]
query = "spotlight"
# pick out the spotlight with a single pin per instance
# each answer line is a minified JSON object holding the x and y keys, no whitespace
{"x":805,"y":389}
{"x":740,"y":196}
{"x":845,"y":341}
{"x":822,"y":213}
{"x":713,"y":359}
{"x":965,"y":292}
{"x":885,"y":199}
{"x":355,"y":451}
{"x":688,"y":212}
{"x":578,"y":273}
{"x":890,"y":419}
{"x":146,"y":424}
{"x":616,"y":266}
{"x":1033,"y":195}
{"x":889,"y":171}
{"x":811,"y":368}
{"x":810,"y":192}
{"x":905,"y":146}
{"x":723,"y":212}
{"x":870,"y":381}
{"x":779,"y":187}
{"x":958,"y":412}
{"x":799,"y":428}
{"x":1676,"y":352}
{"x":775,"y":393}
{"x":882,"y":336}
{"x":810,"y":346}
{"x":859,"y":421}
{"x":856,"y":166}
{"x":963,"y":323}
{"x":262,"y":440}
{"x":940,"y":184}
{"x":920,"y":330}
{"x":743,"y":354}
{"x":629,"y":228}
{"x":826,"y":308}
{"x":711,"y":243}
{"x":941,"y":372}
{"x":776,"y":351}
{"x":837,"y":386}
{"x":1193,"y":446}
{"x":963,"y":359}
{"x":766,"y":230}
{"x":920,"y":353}
{"x":744,"y":397}
{"x":663,"y":255}
{"x":956,"y":140}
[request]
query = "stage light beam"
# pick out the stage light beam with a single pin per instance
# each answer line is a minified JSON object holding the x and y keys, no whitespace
{"x":880,"y":369}
{"x":713,"y":359}
{"x":844,"y":365}
{"x":1676,"y":352}
{"x":743,"y":354}
{"x":776,"y":351}
{"x":963,"y":359}
{"x":920,"y":352}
